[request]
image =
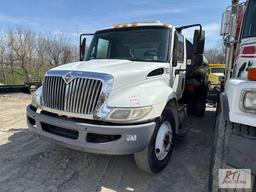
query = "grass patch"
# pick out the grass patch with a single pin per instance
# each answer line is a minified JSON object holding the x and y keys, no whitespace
{"x":18,"y":76}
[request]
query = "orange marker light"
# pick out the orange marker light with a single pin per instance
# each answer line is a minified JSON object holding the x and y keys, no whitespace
{"x":116,"y":26}
{"x":125,"y":25}
{"x":166,"y":25}
{"x":252,"y":74}
{"x":134,"y":24}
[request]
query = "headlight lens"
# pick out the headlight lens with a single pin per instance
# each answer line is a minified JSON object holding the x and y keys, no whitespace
{"x":221,"y":78}
{"x":249,"y":101}
{"x":36,"y":97}
{"x":129,"y":114}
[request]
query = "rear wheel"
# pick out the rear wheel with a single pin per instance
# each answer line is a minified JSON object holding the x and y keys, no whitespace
{"x":156,"y":156}
{"x":200,"y":103}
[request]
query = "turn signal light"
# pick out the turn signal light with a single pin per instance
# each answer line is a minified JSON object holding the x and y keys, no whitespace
{"x":252,"y":74}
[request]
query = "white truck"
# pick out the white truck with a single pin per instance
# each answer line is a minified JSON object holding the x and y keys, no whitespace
{"x":124,"y":97}
{"x":235,"y":129}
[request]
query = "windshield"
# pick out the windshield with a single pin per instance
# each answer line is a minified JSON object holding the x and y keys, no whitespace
{"x":217,"y":70}
{"x":249,"y":29}
{"x":136,"y":44}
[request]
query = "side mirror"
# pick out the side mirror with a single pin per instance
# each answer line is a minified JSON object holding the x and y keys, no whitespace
{"x":225,"y":23}
{"x":198,"y":42}
{"x":82,"y":49}
{"x":229,"y":41}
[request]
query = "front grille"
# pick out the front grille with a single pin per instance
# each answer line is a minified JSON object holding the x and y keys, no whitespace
{"x":78,"y":96}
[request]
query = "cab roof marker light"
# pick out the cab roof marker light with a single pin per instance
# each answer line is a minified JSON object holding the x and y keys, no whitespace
{"x":117,"y":26}
{"x":134,"y":24}
{"x":166,"y":25}
{"x":125,"y":25}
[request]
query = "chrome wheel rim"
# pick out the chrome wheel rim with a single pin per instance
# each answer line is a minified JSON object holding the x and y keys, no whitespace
{"x":164,"y":140}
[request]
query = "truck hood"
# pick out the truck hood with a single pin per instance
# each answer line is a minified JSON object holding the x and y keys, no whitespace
{"x":218,"y":74}
{"x":124,"y":72}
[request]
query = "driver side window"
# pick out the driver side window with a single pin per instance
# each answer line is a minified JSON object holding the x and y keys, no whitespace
{"x":101,"y":51}
{"x":178,"y":51}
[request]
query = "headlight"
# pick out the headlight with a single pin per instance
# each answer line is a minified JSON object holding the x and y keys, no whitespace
{"x":221,"y":78}
{"x":36,"y":97}
{"x":248,"y":101}
{"x":129,"y":114}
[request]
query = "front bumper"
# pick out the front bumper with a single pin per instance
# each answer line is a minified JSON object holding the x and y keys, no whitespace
{"x":132,"y":138}
{"x":233,"y":89}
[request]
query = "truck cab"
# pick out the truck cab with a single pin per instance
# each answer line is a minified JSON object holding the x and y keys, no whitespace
{"x":216,"y":74}
{"x":122,"y":97}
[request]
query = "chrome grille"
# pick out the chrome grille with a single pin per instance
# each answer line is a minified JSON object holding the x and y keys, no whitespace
{"x":78,"y":96}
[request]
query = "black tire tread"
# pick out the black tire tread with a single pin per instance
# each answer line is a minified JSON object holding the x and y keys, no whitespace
{"x":144,"y":159}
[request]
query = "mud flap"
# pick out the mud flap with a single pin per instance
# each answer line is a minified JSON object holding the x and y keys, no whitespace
{"x":183,"y":127}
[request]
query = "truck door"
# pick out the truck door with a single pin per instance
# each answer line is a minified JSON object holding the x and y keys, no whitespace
{"x":179,"y":65}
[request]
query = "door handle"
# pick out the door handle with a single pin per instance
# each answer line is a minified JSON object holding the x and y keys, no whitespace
{"x":177,"y":71}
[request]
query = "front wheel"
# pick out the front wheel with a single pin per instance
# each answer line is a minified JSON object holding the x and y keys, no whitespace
{"x":217,"y":156}
{"x":156,"y":156}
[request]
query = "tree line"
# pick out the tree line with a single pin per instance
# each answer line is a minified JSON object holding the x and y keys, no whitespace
{"x":216,"y":55}
{"x":26,"y":55}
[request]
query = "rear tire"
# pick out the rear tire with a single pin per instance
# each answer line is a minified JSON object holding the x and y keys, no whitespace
{"x":200,"y":103}
{"x":200,"y":108}
{"x":154,"y":158}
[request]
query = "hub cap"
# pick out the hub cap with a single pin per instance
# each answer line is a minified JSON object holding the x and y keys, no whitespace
{"x":163,"y":140}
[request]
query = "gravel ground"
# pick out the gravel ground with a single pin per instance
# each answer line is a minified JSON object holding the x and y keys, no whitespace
{"x":29,"y":163}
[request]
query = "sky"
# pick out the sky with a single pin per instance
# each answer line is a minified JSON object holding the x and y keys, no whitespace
{"x":83,"y":16}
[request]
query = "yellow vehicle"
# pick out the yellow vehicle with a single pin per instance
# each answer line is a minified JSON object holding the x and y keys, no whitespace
{"x":216,"y":73}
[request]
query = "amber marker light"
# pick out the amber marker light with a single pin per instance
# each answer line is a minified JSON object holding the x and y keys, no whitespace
{"x":125,"y":25}
{"x":134,"y":24}
{"x":116,"y":26}
{"x":166,"y":25}
{"x":252,"y":74}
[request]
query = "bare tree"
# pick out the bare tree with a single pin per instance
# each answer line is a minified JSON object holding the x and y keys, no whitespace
{"x":56,"y":46}
{"x":42,"y":56}
{"x":2,"y":53}
{"x":216,"y":54}
{"x":21,"y":42}
{"x":32,"y":52}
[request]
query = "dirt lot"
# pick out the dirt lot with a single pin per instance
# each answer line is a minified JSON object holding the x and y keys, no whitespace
{"x":29,"y":163}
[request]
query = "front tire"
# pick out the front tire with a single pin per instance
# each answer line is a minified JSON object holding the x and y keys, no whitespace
{"x":156,"y":156}
{"x":217,"y":156}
